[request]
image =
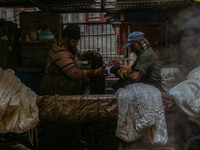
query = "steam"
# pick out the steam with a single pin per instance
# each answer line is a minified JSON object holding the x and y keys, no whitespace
{"x":186,"y":30}
{"x":183,"y":50}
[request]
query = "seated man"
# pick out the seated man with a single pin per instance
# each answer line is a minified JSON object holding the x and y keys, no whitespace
{"x":63,"y":72}
{"x":146,"y":68}
{"x":63,"y":75}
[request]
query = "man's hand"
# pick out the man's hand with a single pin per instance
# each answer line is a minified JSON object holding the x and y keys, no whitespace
{"x":135,"y":76}
{"x":114,"y":70}
{"x":101,"y":72}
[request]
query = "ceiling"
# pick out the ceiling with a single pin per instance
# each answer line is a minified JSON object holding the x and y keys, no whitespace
{"x":124,"y":4}
{"x":76,"y":6}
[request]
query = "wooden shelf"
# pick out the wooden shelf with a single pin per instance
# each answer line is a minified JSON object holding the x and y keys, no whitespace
{"x":37,"y":41}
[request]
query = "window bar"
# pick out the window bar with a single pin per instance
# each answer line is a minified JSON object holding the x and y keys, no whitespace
{"x":84,"y":37}
{"x":119,"y":48}
{"x":106,"y":43}
{"x":124,"y":51}
{"x":110,"y":42}
{"x":115,"y":41}
{"x":93,"y":36}
{"x":128,"y":49}
{"x":98,"y":37}
{"x":89,"y":35}
{"x":80,"y":40}
{"x":102,"y":39}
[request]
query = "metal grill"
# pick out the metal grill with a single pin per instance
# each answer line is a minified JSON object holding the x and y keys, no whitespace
{"x":109,"y":38}
{"x":104,"y":38}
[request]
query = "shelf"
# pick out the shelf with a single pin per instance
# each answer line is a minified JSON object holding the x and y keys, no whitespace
{"x":37,"y":41}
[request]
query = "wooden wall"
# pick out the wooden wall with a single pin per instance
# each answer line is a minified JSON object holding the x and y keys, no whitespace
{"x":33,"y":53}
{"x":9,"y":45}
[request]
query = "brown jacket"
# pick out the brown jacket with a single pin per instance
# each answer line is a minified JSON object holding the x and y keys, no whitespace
{"x":62,"y":72}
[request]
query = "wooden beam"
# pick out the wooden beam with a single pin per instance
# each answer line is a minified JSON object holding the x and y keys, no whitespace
{"x":38,"y":4}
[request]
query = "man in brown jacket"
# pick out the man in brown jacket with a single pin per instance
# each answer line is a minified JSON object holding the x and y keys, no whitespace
{"x":63,"y":74}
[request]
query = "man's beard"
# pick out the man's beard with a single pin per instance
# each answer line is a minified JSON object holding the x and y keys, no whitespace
{"x":71,"y":48}
{"x":137,"y":49}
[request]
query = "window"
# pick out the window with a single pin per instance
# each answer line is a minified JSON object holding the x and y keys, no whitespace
{"x":94,"y":17}
{"x":100,"y":29}
{"x":108,"y":28}
{"x":94,"y":29}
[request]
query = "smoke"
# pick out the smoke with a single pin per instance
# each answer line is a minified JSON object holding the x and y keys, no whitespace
{"x":185,"y":36}
{"x":184,"y":50}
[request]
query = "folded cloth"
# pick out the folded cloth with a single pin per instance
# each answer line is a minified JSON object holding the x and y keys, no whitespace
{"x":18,"y":110}
{"x":187,"y":95}
{"x":141,"y":114}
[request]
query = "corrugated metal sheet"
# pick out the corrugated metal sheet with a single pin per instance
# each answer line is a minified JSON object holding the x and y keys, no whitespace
{"x":150,"y":3}
{"x":92,"y":5}
{"x":45,"y":4}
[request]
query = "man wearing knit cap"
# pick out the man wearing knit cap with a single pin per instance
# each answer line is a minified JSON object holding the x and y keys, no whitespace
{"x":63,"y":76}
{"x":63,"y":73}
{"x":146,"y":68}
